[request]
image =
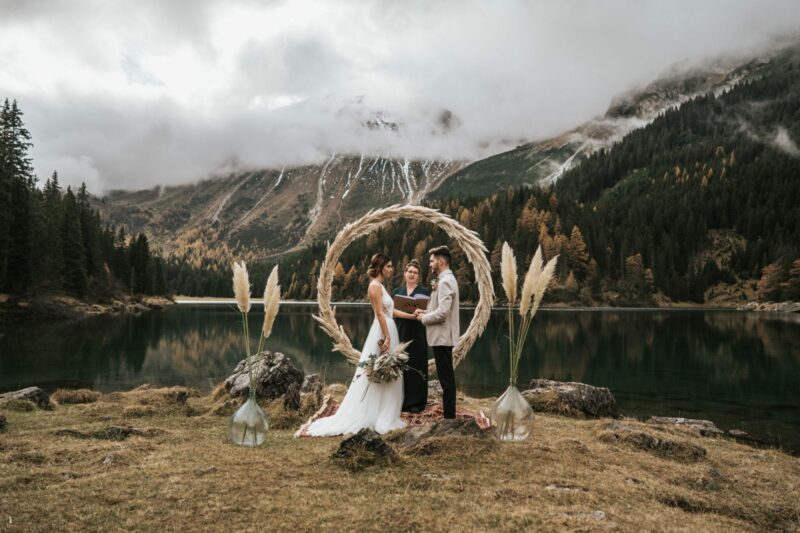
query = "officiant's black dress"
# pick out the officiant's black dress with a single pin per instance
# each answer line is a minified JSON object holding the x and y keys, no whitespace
{"x":415,"y":386}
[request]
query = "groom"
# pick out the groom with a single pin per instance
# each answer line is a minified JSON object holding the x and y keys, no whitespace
{"x":442,"y":327}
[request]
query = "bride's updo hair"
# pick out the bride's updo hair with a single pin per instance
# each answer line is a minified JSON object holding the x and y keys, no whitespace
{"x":377,"y":263}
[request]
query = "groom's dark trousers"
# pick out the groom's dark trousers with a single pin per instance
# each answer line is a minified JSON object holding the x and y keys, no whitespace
{"x":443,"y":355}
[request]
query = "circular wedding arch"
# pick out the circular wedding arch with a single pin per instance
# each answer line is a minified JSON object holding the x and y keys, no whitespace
{"x":468,"y":241}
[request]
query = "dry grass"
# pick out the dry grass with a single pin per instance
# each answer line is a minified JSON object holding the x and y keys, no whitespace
{"x":19,"y":405}
{"x":64,"y":396}
{"x":67,"y":469}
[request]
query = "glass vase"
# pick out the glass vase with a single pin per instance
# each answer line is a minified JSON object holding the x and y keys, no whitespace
{"x":512,"y":416}
{"x":249,"y":424}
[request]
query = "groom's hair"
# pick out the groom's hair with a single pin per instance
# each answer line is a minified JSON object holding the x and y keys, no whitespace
{"x":442,"y":252}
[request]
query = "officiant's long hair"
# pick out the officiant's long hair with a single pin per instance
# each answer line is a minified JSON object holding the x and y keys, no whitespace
{"x":377,"y":263}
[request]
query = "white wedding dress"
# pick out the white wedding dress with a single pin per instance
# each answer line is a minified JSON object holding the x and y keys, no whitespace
{"x":367,"y":405}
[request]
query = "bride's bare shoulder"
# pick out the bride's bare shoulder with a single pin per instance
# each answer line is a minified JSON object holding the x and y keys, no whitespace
{"x":374,"y":287}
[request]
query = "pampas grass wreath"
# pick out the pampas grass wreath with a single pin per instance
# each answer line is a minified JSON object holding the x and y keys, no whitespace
{"x":467,"y":240}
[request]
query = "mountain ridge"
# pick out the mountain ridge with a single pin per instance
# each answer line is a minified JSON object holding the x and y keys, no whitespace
{"x":262,"y":213}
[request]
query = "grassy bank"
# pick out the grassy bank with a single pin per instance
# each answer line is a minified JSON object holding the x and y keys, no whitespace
{"x":65,"y":469}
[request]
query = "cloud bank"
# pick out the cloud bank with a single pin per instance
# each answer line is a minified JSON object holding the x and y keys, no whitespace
{"x":133,"y":94}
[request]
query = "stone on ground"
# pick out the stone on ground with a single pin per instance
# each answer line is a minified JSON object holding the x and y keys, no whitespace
{"x":273,"y":374}
{"x":31,"y":394}
{"x":413,"y":436}
{"x":686,"y":452}
{"x":364,"y":449}
{"x":571,"y":399}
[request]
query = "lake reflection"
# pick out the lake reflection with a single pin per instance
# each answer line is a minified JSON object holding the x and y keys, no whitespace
{"x":738,"y":369}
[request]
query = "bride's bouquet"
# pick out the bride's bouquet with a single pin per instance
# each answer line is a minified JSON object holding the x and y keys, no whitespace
{"x":386,"y":367}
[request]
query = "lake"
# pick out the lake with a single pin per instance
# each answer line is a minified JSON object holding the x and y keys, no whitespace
{"x":741,"y":370}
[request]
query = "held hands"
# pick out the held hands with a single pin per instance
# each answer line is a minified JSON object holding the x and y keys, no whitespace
{"x":418,"y":314}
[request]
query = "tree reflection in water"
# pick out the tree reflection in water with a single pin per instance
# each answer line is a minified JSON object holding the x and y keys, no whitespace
{"x":738,"y":369}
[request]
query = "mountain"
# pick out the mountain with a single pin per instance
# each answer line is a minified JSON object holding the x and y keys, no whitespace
{"x":702,"y":204}
{"x":546,"y":160}
{"x":267,"y":212}
{"x":272,"y":211}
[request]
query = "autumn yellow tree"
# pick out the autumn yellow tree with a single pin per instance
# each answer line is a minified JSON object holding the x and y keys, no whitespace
{"x":769,"y":286}
{"x":576,"y":253}
{"x":635,"y":281}
{"x":793,"y":285}
{"x":338,"y":278}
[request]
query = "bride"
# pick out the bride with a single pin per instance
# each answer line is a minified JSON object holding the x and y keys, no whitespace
{"x":373,"y":405}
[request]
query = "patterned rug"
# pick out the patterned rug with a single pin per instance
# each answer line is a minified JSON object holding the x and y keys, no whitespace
{"x":432,"y":413}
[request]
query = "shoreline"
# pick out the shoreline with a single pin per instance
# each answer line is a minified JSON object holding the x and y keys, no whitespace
{"x":641,"y":413}
{"x":756,"y":307}
{"x":59,"y":306}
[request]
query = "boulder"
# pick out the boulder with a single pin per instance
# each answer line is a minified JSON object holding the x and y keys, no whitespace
{"x":687,"y":452}
{"x":571,"y":399}
{"x":413,"y":436}
{"x":31,"y":394}
{"x":705,"y":428}
{"x":365,"y":448}
{"x":273,"y":373}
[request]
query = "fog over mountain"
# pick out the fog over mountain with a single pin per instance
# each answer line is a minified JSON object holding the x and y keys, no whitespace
{"x":168,"y":92}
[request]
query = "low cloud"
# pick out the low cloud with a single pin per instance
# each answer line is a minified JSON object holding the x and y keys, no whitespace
{"x":783,"y":141}
{"x":166,"y":92}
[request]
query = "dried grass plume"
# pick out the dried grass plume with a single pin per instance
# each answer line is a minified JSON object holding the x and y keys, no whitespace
{"x":241,"y":286}
{"x":272,"y":300}
{"x":530,"y":283}
{"x":508,"y":268}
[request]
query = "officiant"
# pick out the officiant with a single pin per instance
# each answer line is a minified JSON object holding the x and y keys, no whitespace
{"x":415,"y":383}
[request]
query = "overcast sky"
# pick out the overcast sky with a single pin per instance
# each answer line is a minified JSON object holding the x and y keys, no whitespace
{"x":137,"y":93}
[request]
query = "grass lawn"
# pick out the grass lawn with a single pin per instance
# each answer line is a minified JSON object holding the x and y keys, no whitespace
{"x":180,"y":473}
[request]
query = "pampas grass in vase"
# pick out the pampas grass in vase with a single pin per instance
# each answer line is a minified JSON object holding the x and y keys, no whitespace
{"x":512,"y":416}
{"x":249,"y":424}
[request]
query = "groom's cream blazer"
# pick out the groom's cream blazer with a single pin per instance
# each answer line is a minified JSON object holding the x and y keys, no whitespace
{"x":441,"y":318}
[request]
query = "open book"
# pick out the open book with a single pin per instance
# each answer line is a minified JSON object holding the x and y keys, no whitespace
{"x":409,"y":304}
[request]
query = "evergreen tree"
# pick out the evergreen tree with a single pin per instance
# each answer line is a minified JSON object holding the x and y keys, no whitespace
{"x":74,"y":267}
{"x":52,"y":256}
{"x":16,"y":184}
{"x":90,"y":232}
